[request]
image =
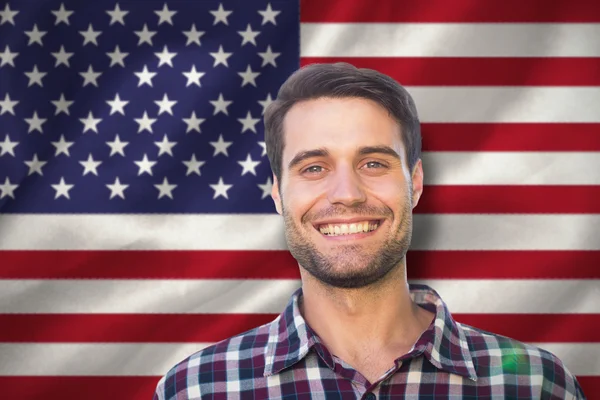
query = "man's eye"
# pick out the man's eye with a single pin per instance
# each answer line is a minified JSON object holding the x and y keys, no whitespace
{"x":374,"y":164}
{"x":314,"y":169}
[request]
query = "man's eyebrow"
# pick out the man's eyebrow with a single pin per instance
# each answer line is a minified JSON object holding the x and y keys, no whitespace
{"x":322,"y":152}
{"x":379,"y":149}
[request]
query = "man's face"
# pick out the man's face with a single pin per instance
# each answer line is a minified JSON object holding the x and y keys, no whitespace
{"x":344,"y":171}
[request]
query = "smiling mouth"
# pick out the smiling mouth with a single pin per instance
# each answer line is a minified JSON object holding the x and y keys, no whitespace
{"x":354,"y":228}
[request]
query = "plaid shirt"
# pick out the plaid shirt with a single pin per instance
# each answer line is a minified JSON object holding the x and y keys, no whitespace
{"x":285,"y":359}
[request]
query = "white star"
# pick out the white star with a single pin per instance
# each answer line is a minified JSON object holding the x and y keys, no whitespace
{"x":220,"y":57}
{"x":62,"y":189}
{"x":220,"y":189}
{"x":35,"y":123}
{"x":117,"y":105}
{"x":249,"y":165}
{"x":145,"y":35}
{"x":7,"y":188}
{"x":117,"y":189}
{"x":164,"y":189}
{"x":265,"y":103}
{"x":249,"y":123}
{"x":193,"y":166}
{"x":165,"y":15}
{"x":145,"y":123}
{"x":165,"y":57}
{"x":220,"y":105}
{"x":145,"y":76}
{"x":7,"y":15}
{"x":221,"y":146}
{"x":117,"y":15}
{"x":165,"y":105}
{"x":35,"y":36}
{"x":220,"y":15}
{"x":7,"y":147}
{"x":193,"y":77}
{"x":90,"y":123}
{"x":8,"y":105}
{"x":193,"y":123}
{"x":145,"y":165}
{"x":62,"y":57}
{"x":269,"y":15}
{"x":264,"y":147}
{"x":90,"y":36}
{"x":62,"y":146}
{"x":117,"y":57}
{"x":7,"y":57}
{"x":266,"y":188}
{"x":249,"y":76}
{"x":62,"y":15}
{"x":269,"y":57}
{"x":193,"y":36}
{"x":90,"y":165}
{"x":165,"y":146}
{"x":90,"y":76}
{"x":62,"y":105}
{"x":117,"y":147}
{"x":35,"y":165}
{"x":249,"y":36}
{"x":35,"y":76}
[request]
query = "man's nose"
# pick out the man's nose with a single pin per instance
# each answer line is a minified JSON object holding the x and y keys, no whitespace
{"x":346,"y":187}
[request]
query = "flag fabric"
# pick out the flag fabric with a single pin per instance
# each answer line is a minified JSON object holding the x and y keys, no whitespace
{"x":136,"y":225}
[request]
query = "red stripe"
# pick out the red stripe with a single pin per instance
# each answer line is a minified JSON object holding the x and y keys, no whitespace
{"x":210,"y":328}
{"x":477,"y":71}
{"x":450,"y":11}
{"x":281,"y":265}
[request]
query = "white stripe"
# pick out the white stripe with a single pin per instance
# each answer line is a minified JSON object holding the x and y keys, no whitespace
{"x":270,"y":296}
{"x":449,"y":40}
{"x":152,"y":359}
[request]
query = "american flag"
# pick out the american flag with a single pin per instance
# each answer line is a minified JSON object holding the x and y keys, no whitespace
{"x":136,"y":225}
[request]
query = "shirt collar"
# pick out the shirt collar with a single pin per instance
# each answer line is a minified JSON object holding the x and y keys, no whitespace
{"x":444,"y":343}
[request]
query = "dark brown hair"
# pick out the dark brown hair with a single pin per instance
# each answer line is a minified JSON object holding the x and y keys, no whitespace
{"x":341,"y":80}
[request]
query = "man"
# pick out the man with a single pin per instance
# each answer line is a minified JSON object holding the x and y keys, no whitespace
{"x":344,"y":145}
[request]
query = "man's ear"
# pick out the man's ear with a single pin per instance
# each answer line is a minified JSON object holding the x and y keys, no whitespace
{"x":276,"y":195}
{"x":417,"y":183}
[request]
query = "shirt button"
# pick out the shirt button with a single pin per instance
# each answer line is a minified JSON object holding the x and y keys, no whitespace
{"x":370,"y":396}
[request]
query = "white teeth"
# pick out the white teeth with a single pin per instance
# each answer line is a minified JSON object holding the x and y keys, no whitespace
{"x":353,"y":228}
{"x":347,"y":229}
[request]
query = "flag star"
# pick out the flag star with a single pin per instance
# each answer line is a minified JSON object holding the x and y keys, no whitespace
{"x":62,"y":146}
{"x":264,"y":147}
{"x":193,"y":165}
{"x":220,"y":105}
{"x":117,"y":105}
{"x":165,"y":105}
{"x":221,"y":146}
{"x":145,"y":165}
{"x":90,"y":165}
{"x":220,"y":15}
{"x":90,"y":77}
{"x":145,"y":76}
{"x":145,"y":35}
{"x":90,"y":36}
{"x":249,"y":123}
{"x":249,"y":165}
{"x":117,"y":15}
{"x":62,"y":15}
{"x":165,"y":189}
{"x":35,"y":35}
{"x":249,"y":36}
{"x":165,"y":57}
{"x":220,"y":57}
{"x":193,"y":36}
{"x":7,"y":189}
{"x":117,"y":57}
{"x":90,"y":123}
{"x":62,"y":105}
{"x":117,"y":189}
{"x":35,"y":165}
{"x":249,"y":76}
{"x":62,"y":57}
{"x":35,"y":76}
{"x":7,"y":147}
{"x":265,"y":103}
{"x":7,"y":15}
{"x":7,"y":57}
{"x":269,"y":57}
{"x":145,"y":123}
{"x":62,"y":189}
{"x":221,"y":189}
{"x":266,"y":188}
{"x":165,"y":15}
{"x":117,"y":147}
{"x":35,"y":123}
{"x":269,"y":15}
{"x":193,"y":123}
{"x":193,"y":77}
{"x":165,"y":146}
{"x":8,"y":105}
